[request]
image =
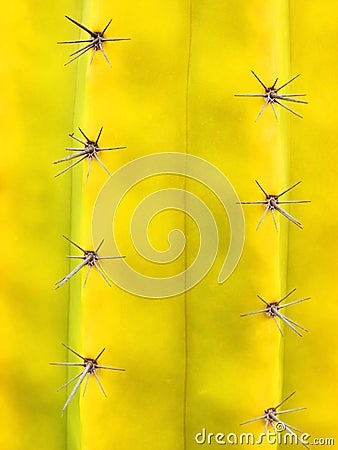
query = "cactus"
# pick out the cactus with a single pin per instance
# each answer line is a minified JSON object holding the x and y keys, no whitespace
{"x":192,"y":363}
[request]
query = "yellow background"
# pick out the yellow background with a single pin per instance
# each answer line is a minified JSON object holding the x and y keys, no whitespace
{"x":190,"y":361}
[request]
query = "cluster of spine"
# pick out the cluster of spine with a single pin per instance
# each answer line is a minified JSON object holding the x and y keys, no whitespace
{"x":90,"y":258}
{"x":272,"y":204}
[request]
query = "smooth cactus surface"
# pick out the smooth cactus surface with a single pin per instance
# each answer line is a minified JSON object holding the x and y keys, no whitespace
{"x":193,"y":366}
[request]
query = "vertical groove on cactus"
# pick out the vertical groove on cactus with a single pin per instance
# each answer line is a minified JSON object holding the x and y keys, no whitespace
{"x":77,"y":232}
{"x":186,"y":263}
{"x":284,"y":67}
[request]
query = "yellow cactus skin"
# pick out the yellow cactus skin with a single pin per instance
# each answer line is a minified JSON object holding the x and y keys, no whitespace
{"x":311,"y":366}
{"x":233,"y":363}
{"x":191,"y":362}
{"x":36,"y":115}
{"x":143,"y":107}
